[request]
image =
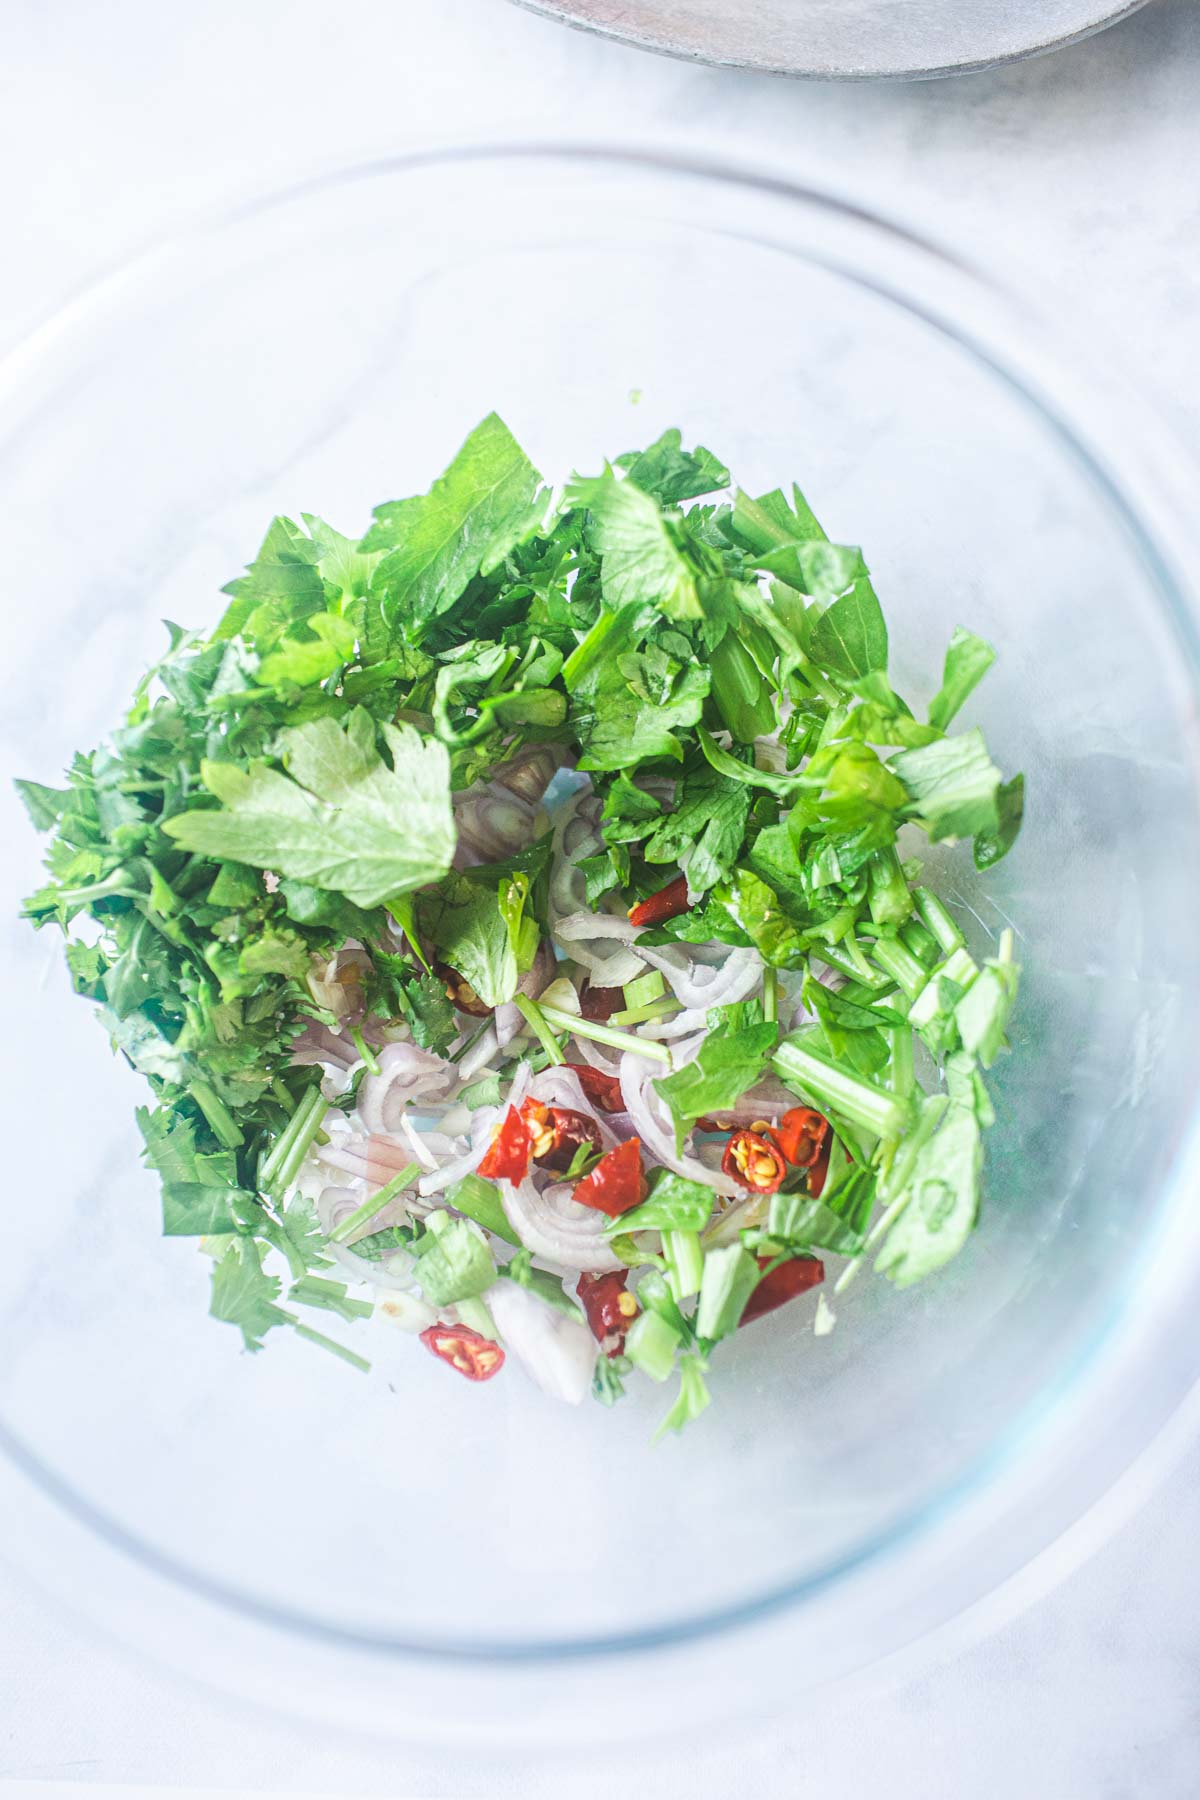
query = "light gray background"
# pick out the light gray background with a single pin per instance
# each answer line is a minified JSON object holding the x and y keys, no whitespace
{"x":1077,"y":176}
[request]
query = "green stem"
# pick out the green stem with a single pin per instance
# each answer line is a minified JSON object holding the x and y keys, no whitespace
{"x":654,"y":1009}
{"x":872,"y":1108}
{"x":938,"y":920}
{"x":327,"y":1343}
{"x":375,"y":1204}
{"x":225,"y":1127}
{"x":603,"y":1034}
{"x":279,"y":1169}
{"x":365,"y":1051}
{"x":533,"y":1016}
{"x":771,"y":995}
{"x":898,"y":962}
{"x":473,"y":1039}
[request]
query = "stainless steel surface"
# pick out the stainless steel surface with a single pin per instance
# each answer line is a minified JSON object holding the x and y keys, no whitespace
{"x":849,"y":40}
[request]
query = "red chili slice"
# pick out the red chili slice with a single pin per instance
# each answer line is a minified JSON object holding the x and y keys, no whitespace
{"x":755,"y":1160}
{"x":556,"y":1133}
{"x":600,"y":1003}
{"x":800,"y":1134}
{"x":785,"y":1283}
{"x":460,"y":993}
{"x":609,"y":1308}
{"x":820,"y":1169}
{"x":602,"y":1090}
{"x":507,"y":1156}
{"x":473,"y":1355}
{"x":616,"y":1183}
{"x":669,"y":903}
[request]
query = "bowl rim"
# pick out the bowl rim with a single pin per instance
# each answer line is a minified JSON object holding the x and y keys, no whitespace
{"x":1145,"y":482}
{"x":636,"y":27}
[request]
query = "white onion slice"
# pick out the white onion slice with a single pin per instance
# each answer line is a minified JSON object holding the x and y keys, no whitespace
{"x":700,"y":984}
{"x":405,"y":1074}
{"x":555,"y":1228}
{"x":557,"y":1351}
{"x":657,"y":1135}
{"x":479,"y":1055}
{"x":337,"y":1203}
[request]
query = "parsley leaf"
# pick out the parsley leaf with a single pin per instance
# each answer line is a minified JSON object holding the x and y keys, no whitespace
{"x":729,"y":1061}
{"x":640,"y":557}
{"x":341,"y":819}
{"x":466,"y":524}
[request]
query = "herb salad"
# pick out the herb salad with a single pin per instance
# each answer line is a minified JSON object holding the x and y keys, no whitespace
{"x":509,"y":913}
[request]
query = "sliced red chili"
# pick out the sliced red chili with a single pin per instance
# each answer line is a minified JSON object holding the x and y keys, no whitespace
{"x":755,"y":1160}
{"x":460,"y":993}
{"x":602,"y":1090}
{"x":507,"y":1156}
{"x":616,"y":1183}
{"x":669,"y":903}
{"x":800,"y":1134}
{"x":609,"y":1308}
{"x":556,"y":1133}
{"x":600,"y":1003}
{"x":472,"y":1354}
{"x":785,"y":1283}
{"x":820,"y":1169}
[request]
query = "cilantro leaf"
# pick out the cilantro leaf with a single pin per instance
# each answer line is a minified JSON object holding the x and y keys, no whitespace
{"x":470,"y":519}
{"x":243,"y":1295}
{"x":341,"y":818}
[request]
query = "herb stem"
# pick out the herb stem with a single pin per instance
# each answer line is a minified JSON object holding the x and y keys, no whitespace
{"x":533,"y":1016}
{"x":604,"y":1034}
{"x":900,"y":963}
{"x":225,"y":1127}
{"x":374,"y":1204}
{"x":771,"y":995}
{"x":327,"y":1343}
{"x":280,"y":1167}
{"x":872,"y":1108}
{"x":938,"y":920}
{"x":364,"y":1049}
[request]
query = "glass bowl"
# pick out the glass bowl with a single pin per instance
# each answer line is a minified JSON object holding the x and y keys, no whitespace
{"x":412,"y":1553}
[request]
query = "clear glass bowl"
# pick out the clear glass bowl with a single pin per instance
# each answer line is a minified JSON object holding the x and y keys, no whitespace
{"x":412,"y":1552}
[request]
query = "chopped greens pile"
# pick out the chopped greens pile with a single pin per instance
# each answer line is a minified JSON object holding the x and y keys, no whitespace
{"x":311,"y":887}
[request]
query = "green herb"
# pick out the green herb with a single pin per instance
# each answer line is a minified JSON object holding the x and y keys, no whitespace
{"x":342,"y":818}
{"x":454,"y":1262}
{"x":547,"y":1287}
{"x":728,"y":1062}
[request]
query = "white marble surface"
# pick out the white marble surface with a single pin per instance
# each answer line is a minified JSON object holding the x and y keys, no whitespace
{"x":1077,"y":176}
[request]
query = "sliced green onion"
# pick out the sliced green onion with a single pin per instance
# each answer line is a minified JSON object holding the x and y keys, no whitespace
{"x":535,"y":1018}
{"x":559,"y":1020}
{"x":374,"y":1204}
